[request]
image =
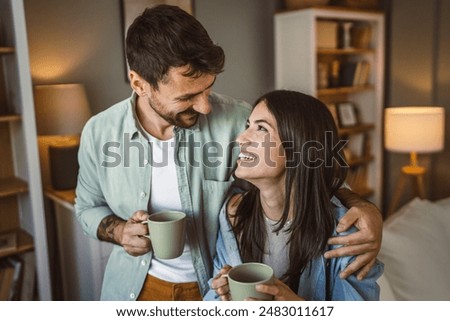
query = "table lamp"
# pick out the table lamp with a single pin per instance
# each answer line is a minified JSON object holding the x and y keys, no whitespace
{"x":413,"y":130}
{"x":61,"y":112}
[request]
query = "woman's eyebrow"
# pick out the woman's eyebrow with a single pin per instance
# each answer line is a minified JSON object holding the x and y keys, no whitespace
{"x":259,"y":121}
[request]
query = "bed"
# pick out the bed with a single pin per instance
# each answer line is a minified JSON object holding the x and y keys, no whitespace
{"x":416,"y":252}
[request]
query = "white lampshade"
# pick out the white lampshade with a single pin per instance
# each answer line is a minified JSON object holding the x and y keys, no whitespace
{"x":414,"y":129}
{"x":61,"y":109}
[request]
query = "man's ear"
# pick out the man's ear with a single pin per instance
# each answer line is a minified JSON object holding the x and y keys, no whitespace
{"x":138,"y":83}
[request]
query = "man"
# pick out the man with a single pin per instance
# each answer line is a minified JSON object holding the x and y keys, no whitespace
{"x":169,"y":146}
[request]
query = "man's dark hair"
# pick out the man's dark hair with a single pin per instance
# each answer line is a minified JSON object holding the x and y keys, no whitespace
{"x":166,"y":36}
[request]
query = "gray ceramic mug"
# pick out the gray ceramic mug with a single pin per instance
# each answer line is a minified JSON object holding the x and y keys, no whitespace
{"x":167,"y":231}
{"x":243,"y":278}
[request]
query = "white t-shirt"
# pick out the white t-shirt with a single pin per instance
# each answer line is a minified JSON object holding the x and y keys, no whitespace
{"x":165,"y":196}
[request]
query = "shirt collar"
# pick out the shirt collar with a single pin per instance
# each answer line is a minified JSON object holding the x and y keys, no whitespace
{"x":131,"y":120}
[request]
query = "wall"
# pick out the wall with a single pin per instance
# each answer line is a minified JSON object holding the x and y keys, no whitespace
{"x":78,"y":41}
{"x":419,"y":74}
{"x":245,"y":31}
{"x":441,"y":170}
{"x":82,"y":41}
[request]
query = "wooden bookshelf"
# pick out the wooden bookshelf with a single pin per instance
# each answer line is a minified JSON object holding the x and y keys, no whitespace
{"x":21,"y":201}
{"x":343,"y":90}
{"x":356,"y":161}
{"x":10,"y":118}
{"x":6,"y":50}
{"x":350,"y":9}
{"x":12,"y":186}
{"x":335,"y":8}
{"x":362,"y":128}
{"x":351,"y":51}
{"x":24,"y":243}
{"x":346,"y":72}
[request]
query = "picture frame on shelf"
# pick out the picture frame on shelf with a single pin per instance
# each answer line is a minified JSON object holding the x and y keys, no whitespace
{"x":347,"y":114}
{"x":361,"y":36}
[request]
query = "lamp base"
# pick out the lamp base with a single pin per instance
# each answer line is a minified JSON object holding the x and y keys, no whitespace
{"x":58,"y":159}
{"x":414,"y":170}
{"x":415,"y":173}
{"x":63,"y":166}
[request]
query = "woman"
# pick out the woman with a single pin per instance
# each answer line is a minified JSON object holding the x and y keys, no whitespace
{"x":291,"y":155}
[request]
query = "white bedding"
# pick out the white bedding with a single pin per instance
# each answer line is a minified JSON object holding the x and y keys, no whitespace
{"x":416,"y":252}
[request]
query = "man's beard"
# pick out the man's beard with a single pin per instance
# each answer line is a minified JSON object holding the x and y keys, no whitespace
{"x":175,"y":119}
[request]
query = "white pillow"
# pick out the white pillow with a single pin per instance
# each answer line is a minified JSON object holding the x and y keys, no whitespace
{"x":416,"y":251}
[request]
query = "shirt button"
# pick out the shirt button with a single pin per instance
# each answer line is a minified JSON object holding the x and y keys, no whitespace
{"x":142,"y":195}
{"x":145,"y":161}
{"x":132,"y":295}
{"x":143,"y":262}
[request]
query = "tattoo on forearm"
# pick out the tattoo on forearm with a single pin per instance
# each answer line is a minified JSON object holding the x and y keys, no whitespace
{"x":106,"y":228}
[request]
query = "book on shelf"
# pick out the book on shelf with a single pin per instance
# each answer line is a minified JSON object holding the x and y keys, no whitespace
{"x":335,"y":67}
{"x":11,"y":277}
{"x":362,"y":78}
{"x":6,"y":279}
{"x":354,"y":73}
{"x":357,"y":75}
{"x":347,"y":73}
{"x":367,"y":149}
{"x":16,"y":289}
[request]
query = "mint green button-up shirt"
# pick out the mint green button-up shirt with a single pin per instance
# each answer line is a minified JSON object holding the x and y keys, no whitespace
{"x":115,"y":175}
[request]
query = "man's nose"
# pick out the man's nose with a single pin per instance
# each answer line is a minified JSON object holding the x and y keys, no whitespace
{"x":202,"y":105}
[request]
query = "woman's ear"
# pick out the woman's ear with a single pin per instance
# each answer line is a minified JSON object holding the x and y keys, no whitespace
{"x":138,"y":83}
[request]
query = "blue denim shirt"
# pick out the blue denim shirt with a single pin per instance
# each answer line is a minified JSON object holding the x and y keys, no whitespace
{"x":115,"y":175}
{"x":313,"y":281}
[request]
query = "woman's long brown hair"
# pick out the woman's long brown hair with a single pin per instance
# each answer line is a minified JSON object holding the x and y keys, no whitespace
{"x":315,"y":169}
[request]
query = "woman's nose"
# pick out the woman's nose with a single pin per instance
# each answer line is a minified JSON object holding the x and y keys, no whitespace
{"x":242,"y":138}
